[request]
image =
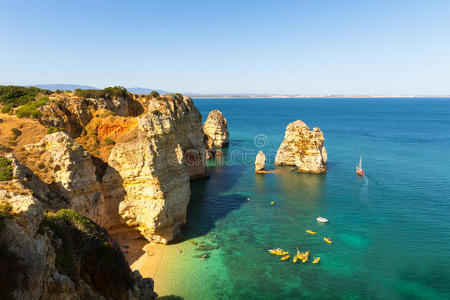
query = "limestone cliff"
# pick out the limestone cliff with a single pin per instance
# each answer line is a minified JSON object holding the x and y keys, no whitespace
{"x":72,"y":113}
{"x":303,"y":148}
{"x":147,"y":178}
{"x":216,"y":128}
{"x":124,"y":160}
{"x":58,"y":256}
{"x":68,"y":168}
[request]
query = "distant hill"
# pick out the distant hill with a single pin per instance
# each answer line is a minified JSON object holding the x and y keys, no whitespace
{"x":64,"y":87}
{"x":139,"y":90}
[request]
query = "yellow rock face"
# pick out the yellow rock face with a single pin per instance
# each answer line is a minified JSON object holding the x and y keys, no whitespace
{"x":146,"y":184}
{"x":260,"y":162}
{"x":303,"y":148}
{"x":216,"y":128}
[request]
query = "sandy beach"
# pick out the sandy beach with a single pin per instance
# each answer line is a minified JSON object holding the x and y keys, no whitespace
{"x":141,"y":255}
{"x":148,"y":264}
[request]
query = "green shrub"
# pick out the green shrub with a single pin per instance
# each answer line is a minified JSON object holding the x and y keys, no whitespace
{"x":81,"y":242}
{"x":109,"y":142}
{"x":108,"y":92}
{"x":30,"y":110}
{"x":53,"y":129}
{"x":6,"y":171}
{"x":5,"y":212}
{"x":6,"y":109}
{"x":16,"y":131}
{"x":18,"y":95}
{"x":155,"y":94}
{"x":12,"y":143}
{"x":41,"y":166}
{"x":5,"y":149}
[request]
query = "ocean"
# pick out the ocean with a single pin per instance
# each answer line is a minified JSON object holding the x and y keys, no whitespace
{"x":390,"y":229}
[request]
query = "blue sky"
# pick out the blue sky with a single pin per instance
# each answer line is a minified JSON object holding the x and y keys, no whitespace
{"x":338,"y":47}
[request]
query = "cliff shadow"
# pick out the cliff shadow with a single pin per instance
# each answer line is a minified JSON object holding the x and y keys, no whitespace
{"x":170,"y":297}
{"x":211,"y":200}
{"x":130,"y":241}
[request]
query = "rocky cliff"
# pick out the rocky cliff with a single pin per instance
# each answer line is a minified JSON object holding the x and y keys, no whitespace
{"x":128,"y":173}
{"x":216,"y":128}
{"x":73,"y":113}
{"x":123,"y":161}
{"x":69,"y":170}
{"x":59,"y":255}
{"x":303,"y":148}
{"x":147,"y":178}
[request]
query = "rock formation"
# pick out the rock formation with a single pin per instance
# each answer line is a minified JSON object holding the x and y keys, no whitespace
{"x":216,"y":128}
{"x":147,"y":179}
{"x":59,"y":255}
{"x":260,"y":162}
{"x":69,"y":169}
{"x":140,"y":180}
{"x":125,"y":162}
{"x":69,"y":112}
{"x":303,"y":148}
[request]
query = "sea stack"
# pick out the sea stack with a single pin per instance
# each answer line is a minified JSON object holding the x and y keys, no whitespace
{"x":216,"y":128}
{"x":260,"y":162}
{"x":303,"y":148}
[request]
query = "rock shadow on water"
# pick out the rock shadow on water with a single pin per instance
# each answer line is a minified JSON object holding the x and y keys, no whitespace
{"x":210,"y":201}
{"x":170,"y":297}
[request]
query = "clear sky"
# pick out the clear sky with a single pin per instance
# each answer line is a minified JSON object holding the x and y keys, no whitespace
{"x":254,"y":46}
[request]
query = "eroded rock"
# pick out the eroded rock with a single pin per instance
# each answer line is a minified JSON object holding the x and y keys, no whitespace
{"x":260,"y":162}
{"x":147,"y":180}
{"x":68,"y":168}
{"x":216,"y":128}
{"x":60,"y":256}
{"x":303,"y":148}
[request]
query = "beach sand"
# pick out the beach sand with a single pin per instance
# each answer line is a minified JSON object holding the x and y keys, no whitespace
{"x":140,"y":255}
{"x":148,"y":264}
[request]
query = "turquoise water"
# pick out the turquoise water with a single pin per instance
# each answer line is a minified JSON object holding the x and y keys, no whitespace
{"x":390,"y":229}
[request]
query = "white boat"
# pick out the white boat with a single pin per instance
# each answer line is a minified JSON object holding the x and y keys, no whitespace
{"x":322,"y":220}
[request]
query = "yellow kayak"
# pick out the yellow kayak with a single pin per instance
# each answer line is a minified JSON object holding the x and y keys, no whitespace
{"x":327,"y":240}
{"x":294,"y":260}
{"x":272,"y":203}
{"x":305,"y":257}
{"x":299,"y":255}
{"x":285,"y":257}
{"x":316,"y":260}
{"x":310,"y":232}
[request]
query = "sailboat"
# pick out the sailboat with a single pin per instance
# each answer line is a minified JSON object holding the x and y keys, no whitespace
{"x":359,"y":169}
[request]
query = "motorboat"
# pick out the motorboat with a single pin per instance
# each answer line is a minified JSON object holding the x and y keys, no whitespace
{"x":322,"y":220}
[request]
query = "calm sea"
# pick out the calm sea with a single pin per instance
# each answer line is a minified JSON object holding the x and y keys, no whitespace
{"x":390,"y":229}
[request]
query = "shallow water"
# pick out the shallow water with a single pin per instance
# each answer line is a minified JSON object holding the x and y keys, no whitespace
{"x":390,"y":229}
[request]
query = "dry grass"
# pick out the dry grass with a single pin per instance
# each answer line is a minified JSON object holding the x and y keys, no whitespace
{"x":32,"y":132}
